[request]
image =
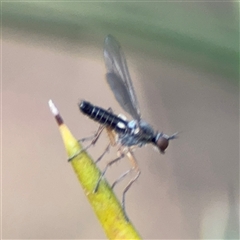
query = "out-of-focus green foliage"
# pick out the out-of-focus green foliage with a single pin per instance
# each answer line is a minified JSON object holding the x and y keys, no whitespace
{"x":201,"y":35}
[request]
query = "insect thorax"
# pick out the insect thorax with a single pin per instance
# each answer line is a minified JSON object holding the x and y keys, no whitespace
{"x":140,"y":134}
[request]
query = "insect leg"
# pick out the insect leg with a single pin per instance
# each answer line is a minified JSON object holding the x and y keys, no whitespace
{"x":125,"y":191}
{"x":135,"y":167}
{"x":105,"y":151}
{"x":111,"y":136}
{"x":122,"y":177}
{"x":94,"y":138}
{"x":105,"y":170}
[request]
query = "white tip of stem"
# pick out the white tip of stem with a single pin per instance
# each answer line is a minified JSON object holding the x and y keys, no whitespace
{"x":53,"y":108}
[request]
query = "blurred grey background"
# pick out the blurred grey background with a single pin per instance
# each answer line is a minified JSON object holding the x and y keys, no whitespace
{"x":183,"y":59}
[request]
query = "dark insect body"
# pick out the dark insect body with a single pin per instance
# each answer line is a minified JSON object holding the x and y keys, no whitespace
{"x":131,"y":133}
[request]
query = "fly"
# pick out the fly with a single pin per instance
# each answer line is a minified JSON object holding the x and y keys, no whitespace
{"x":130,"y":134}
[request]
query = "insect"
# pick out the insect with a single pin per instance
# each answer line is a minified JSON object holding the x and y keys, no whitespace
{"x":126,"y":134}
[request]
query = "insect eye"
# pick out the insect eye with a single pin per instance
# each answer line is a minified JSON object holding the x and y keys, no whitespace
{"x":162,"y":143}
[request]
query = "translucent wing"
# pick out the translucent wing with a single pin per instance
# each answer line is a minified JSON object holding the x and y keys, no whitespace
{"x":118,"y":77}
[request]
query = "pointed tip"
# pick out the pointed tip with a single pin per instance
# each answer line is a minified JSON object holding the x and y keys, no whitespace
{"x":53,"y":108}
{"x":55,"y":112}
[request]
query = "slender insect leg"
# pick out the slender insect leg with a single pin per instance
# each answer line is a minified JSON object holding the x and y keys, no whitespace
{"x":105,"y":170}
{"x":105,"y":151}
{"x":135,"y":167}
{"x":111,"y":136}
{"x":112,"y":143}
{"x":94,"y":137}
{"x":87,"y":138}
{"x":97,"y":134}
{"x":125,"y":191}
{"x":122,"y":177}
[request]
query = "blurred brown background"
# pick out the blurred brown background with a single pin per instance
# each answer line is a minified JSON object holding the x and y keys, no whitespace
{"x":183,"y":59}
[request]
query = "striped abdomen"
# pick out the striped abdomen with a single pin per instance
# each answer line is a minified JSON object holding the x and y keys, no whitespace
{"x":104,"y":117}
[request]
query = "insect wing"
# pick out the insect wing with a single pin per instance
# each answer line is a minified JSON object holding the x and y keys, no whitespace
{"x":118,"y":77}
{"x":121,"y":94}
